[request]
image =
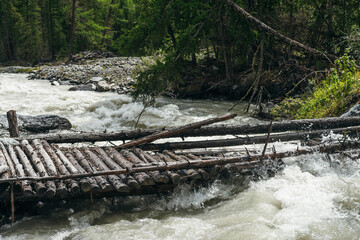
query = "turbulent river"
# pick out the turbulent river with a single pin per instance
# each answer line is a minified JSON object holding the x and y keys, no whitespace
{"x":312,"y":198}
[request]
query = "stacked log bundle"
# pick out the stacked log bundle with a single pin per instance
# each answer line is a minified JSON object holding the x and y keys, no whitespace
{"x":38,"y":169}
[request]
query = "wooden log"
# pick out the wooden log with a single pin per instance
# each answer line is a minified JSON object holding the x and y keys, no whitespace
{"x":248,"y":140}
{"x":100,"y":166}
{"x":169,"y":133}
{"x":3,"y":163}
{"x":143,"y":178}
{"x":50,"y":186}
{"x":157,"y":175}
{"x":214,"y":170}
{"x":26,"y":186}
{"x":174,"y":177}
{"x":8,"y":160}
{"x":86,"y":184}
{"x":241,"y":160}
{"x":194,"y":175}
{"x":72,"y":184}
{"x":13,"y":124}
{"x":30,"y":172}
{"x":84,"y":163}
{"x":61,"y":189}
{"x":122,"y":164}
{"x":282,"y":126}
{"x":111,"y":164}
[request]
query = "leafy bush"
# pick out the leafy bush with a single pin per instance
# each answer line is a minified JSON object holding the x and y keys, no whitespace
{"x":330,"y":98}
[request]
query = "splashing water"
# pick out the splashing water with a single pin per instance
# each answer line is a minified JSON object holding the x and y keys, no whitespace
{"x":314,"y":197}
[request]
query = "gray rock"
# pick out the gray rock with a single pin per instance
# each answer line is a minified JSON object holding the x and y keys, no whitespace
{"x":40,"y":123}
{"x":96,"y":79}
{"x":83,"y":87}
{"x":55,"y":83}
{"x":102,"y":86}
{"x":354,"y":111}
{"x":97,"y":69}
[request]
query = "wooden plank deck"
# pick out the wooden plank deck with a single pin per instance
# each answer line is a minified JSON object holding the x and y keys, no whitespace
{"x":38,"y":170}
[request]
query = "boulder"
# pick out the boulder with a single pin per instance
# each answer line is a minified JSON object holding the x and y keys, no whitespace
{"x":354,"y":111}
{"x":40,"y":123}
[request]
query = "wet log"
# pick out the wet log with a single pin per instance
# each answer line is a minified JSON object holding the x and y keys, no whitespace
{"x":61,"y":189}
{"x":174,"y":177}
{"x":157,"y":175}
{"x":30,"y":172}
{"x":100,"y":166}
{"x":74,"y":187}
{"x":304,"y":136}
{"x":169,"y":133}
{"x":283,"y":126}
{"x":192,"y":173}
{"x":110,"y":164}
{"x":13,"y":124}
{"x":86,"y":184}
{"x":25,"y":185}
{"x":143,"y":178}
{"x":51,"y":188}
{"x":122,"y":164}
{"x":101,"y":180}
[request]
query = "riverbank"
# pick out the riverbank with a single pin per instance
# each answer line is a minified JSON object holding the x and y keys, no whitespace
{"x":104,"y":74}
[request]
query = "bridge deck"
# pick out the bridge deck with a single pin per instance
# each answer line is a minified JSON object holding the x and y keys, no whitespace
{"x":38,"y":170}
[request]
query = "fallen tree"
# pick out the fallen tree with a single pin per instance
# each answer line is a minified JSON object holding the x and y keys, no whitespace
{"x":283,"y":126}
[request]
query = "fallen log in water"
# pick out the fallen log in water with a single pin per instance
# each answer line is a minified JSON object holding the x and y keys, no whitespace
{"x":283,"y":126}
{"x":248,"y":140}
{"x":171,"y":132}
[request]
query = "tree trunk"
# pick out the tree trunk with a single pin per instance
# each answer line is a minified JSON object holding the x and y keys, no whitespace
{"x":267,"y":29}
{"x":168,"y":133}
{"x":72,"y":30}
{"x":107,"y":22}
{"x":9,"y":55}
{"x":51,"y":32}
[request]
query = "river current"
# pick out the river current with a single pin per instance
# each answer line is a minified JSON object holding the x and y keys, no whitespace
{"x":314,"y":197}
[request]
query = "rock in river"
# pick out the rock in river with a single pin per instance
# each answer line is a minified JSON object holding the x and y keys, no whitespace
{"x":40,"y":123}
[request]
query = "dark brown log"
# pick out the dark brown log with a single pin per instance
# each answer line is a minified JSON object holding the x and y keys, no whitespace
{"x":268,"y":30}
{"x":74,"y":187}
{"x":7,"y":161}
{"x":86,"y":184}
{"x":50,"y":186}
{"x":101,"y":181}
{"x":30,"y":172}
{"x":25,"y":185}
{"x":169,"y":133}
{"x":283,"y":126}
{"x":13,"y":124}
{"x":175,"y":178}
{"x":247,"y":140}
{"x":122,"y":164}
{"x":110,"y":164}
{"x":158,"y":177}
{"x":100,"y":166}
{"x":190,"y":172}
{"x":143,"y":178}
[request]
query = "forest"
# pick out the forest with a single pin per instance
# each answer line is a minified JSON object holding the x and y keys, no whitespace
{"x":229,"y":49}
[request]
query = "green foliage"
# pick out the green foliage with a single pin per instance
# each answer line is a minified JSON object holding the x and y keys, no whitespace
{"x":330,"y":98}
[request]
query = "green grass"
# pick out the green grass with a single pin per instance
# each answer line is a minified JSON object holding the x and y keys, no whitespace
{"x":332,"y":97}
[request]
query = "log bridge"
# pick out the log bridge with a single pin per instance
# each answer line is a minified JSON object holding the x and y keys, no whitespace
{"x":39,"y":168}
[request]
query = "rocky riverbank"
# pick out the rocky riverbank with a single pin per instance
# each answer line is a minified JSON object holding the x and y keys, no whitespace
{"x":114,"y":74}
{"x":88,"y":71}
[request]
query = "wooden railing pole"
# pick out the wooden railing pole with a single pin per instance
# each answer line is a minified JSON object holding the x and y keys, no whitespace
{"x":13,"y":124}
